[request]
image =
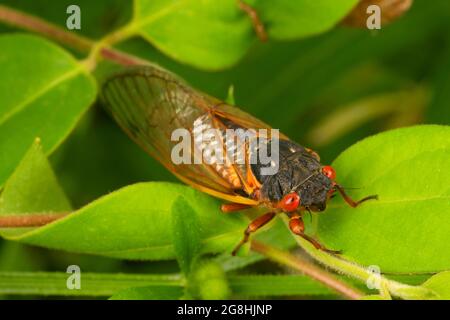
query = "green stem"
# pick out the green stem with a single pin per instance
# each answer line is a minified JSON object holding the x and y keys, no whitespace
{"x":105,"y":285}
{"x":308,"y":269}
{"x":359,"y":272}
{"x":92,"y":284}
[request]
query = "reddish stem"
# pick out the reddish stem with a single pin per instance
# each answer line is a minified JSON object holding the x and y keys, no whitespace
{"x":71,"y":39}
{"x":29,"y":220}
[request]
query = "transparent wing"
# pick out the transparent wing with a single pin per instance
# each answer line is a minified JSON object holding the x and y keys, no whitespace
{"x":150,"y":103}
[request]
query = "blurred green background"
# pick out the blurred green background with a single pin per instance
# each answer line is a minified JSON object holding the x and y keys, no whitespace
{"x":325,"y":92}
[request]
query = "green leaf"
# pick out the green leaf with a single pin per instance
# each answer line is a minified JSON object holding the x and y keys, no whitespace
{"x":226,"y":30}
{"x":213,"y":33}
{"x":440,"y":284}
{"x":407,"y":226}
{"x":33,"y":173}
{"x":149,"y":293}
{"x":44,"y":92}
{"x":136,"y":223}
{"x":287,"y":19}
{"x":186,"y":234}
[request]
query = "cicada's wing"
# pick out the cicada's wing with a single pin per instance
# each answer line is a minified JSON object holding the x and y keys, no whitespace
{"x":150,"y":104}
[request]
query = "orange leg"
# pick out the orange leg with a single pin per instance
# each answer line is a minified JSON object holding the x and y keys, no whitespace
{"x":252,"y":227}
{"x":352,"y":203}
{"x":232,"y":207}
{"x":257,"y":24}
{"x":297,"y":227}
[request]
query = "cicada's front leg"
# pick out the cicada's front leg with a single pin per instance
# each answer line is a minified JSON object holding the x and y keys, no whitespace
{"x":298,"y":227}
{"x":253,"y":227}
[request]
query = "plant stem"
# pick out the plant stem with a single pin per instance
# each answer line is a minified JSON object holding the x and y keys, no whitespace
{"x":105,"y":284}
{"x":92,"y":284}
{"x":31,"y":23}
{"x":308,"y":269}
{"x":359,"y":272}
{"x":29,"y":220}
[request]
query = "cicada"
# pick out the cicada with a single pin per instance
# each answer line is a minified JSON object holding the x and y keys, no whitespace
{"x":150,"y":104}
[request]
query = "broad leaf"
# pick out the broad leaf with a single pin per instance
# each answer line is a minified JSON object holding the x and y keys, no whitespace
{"x":406,"y":230}
{"x":287,"y":19}
{"x":185,"y":234}
{"x":440,"y":284}
{"x":44,"y":92}
{"x":33,"y":173}
{"x":217,"y":33}
{"x":210,"y":34}
{"x":32,"y":189}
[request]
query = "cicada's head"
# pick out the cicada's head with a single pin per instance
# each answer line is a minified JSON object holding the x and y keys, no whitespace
{"x":312,"y":193}
{"x":302,"y":183}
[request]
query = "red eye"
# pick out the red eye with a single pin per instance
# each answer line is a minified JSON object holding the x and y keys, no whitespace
{"x":290,"y":202}
{"x":329,"y":172}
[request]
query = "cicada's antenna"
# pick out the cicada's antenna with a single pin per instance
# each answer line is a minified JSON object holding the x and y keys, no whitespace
{"x":304,"y":180}
{"x":352,"y":203}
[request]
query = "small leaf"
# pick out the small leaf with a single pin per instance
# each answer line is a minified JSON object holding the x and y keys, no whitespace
{"x":408,"y":225}
{"x":230,"y":96}
{"x":149,"y":293}
{"x":33,"y":187}
{"x":44,"y":92}
{"x":287,"y":19}
{"x":186,"y":234}
{"x":440,"y":284}
{"x":214,"y":33}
